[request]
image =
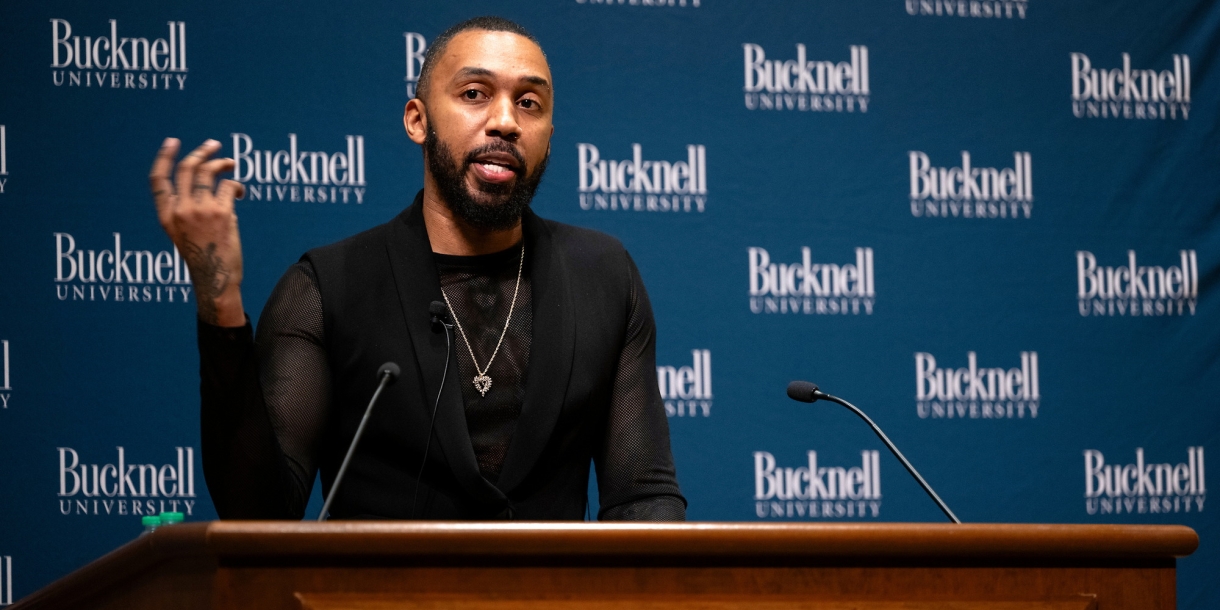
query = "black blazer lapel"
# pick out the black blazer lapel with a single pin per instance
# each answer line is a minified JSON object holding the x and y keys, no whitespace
{"x":551,"y":351}
{"x":418,"y":284}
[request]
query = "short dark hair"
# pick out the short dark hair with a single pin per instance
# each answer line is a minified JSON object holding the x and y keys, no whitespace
{"x":489,"y":23}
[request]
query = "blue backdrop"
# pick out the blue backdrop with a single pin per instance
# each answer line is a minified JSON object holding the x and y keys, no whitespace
{"x":994,"y":224}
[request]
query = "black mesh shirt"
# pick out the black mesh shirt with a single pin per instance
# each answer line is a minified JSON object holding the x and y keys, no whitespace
{"x":482,"y":291}
{"x":266,"y":399}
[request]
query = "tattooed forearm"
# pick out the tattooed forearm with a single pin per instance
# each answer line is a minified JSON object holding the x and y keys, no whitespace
{"x":210,"y":275}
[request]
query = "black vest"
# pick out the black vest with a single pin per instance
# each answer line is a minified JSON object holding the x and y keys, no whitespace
{"x":376,"y":288}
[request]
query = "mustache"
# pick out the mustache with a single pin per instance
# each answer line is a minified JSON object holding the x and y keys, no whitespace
{"x":498,"y":146}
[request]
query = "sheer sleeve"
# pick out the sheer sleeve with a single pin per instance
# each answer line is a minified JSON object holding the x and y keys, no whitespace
{"x":265,"y":403}
{"x":635,"y":468}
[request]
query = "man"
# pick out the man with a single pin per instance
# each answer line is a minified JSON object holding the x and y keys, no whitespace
{"x":552,"y":360}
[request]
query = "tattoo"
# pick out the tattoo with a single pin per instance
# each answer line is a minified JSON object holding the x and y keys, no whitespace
{"x":210,"y":275}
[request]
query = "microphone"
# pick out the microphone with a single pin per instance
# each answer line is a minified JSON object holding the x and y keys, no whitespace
{"x":804,"y":391}
{"x":388,"y":373}
{"x":440,"y":315}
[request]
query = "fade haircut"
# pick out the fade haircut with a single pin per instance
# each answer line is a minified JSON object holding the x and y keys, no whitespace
{"x":488,"y":23}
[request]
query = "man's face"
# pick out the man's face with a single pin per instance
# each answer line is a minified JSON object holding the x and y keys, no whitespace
{"x":488,"y":126}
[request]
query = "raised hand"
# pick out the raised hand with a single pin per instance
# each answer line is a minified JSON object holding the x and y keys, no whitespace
{"x":199,"y":217}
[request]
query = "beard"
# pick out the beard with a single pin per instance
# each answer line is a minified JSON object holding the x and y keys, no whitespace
{"x":494,"y":207}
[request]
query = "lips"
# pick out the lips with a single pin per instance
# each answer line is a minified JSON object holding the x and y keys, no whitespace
{"x":490,"y":172}
{"x":495,"y":166}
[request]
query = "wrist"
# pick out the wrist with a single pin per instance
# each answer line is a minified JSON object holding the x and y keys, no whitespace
{"x":224,"y":310}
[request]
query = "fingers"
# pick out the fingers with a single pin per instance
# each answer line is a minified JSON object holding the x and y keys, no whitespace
{"x":205,"y":178}
{"x":185,"y":176}
{"x":229,"y":189}
{"x":158,"y":179}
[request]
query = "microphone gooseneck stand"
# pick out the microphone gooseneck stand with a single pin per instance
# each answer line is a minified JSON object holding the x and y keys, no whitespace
{"x":804,"y":391}
{"x":388,"y":372}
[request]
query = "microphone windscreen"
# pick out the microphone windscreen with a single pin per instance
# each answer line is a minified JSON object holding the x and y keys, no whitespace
{"x":438,"y":309}
{"x":390,"y":369}
{"x":803,"y":391}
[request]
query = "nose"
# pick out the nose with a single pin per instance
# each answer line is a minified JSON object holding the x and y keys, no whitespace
{"x":502,"y":119}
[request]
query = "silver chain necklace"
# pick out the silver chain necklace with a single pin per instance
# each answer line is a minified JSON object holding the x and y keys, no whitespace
{"x":482,"y":382}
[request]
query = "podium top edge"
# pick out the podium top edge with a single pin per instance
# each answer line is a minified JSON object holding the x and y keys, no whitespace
{"x":236,"y":539}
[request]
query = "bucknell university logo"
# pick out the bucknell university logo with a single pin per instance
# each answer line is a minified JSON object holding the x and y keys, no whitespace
{"x":810,"y":491}
{"x":122,"y":488}
{"x":971,"y":192}
{"x":119,"y":275}
{"x":1130,"y":93}
{"x":812,"y":288}
{"x":300,"y":175}
{"x":804,"y":85}
{"x":643,"y":186}
{"x":107,"y":61}
{"x":1144,"y":488}
{"x":974,"y":392}
{"x":1132,"y":290}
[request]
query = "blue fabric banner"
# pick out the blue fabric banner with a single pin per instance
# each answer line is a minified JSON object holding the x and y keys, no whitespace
{"x":992,"y":224}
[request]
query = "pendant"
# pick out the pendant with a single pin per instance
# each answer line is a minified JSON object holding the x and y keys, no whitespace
{"x":482,"y":383}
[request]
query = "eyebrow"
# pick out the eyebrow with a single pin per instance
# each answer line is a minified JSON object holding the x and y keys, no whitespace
{"x":473,"y":71}
{"x":537,"y":80}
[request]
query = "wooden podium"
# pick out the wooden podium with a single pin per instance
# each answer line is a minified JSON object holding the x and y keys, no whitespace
{"x":710,"y":566}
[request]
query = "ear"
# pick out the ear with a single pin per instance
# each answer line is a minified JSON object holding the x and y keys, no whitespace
{"x":415,"y":121}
